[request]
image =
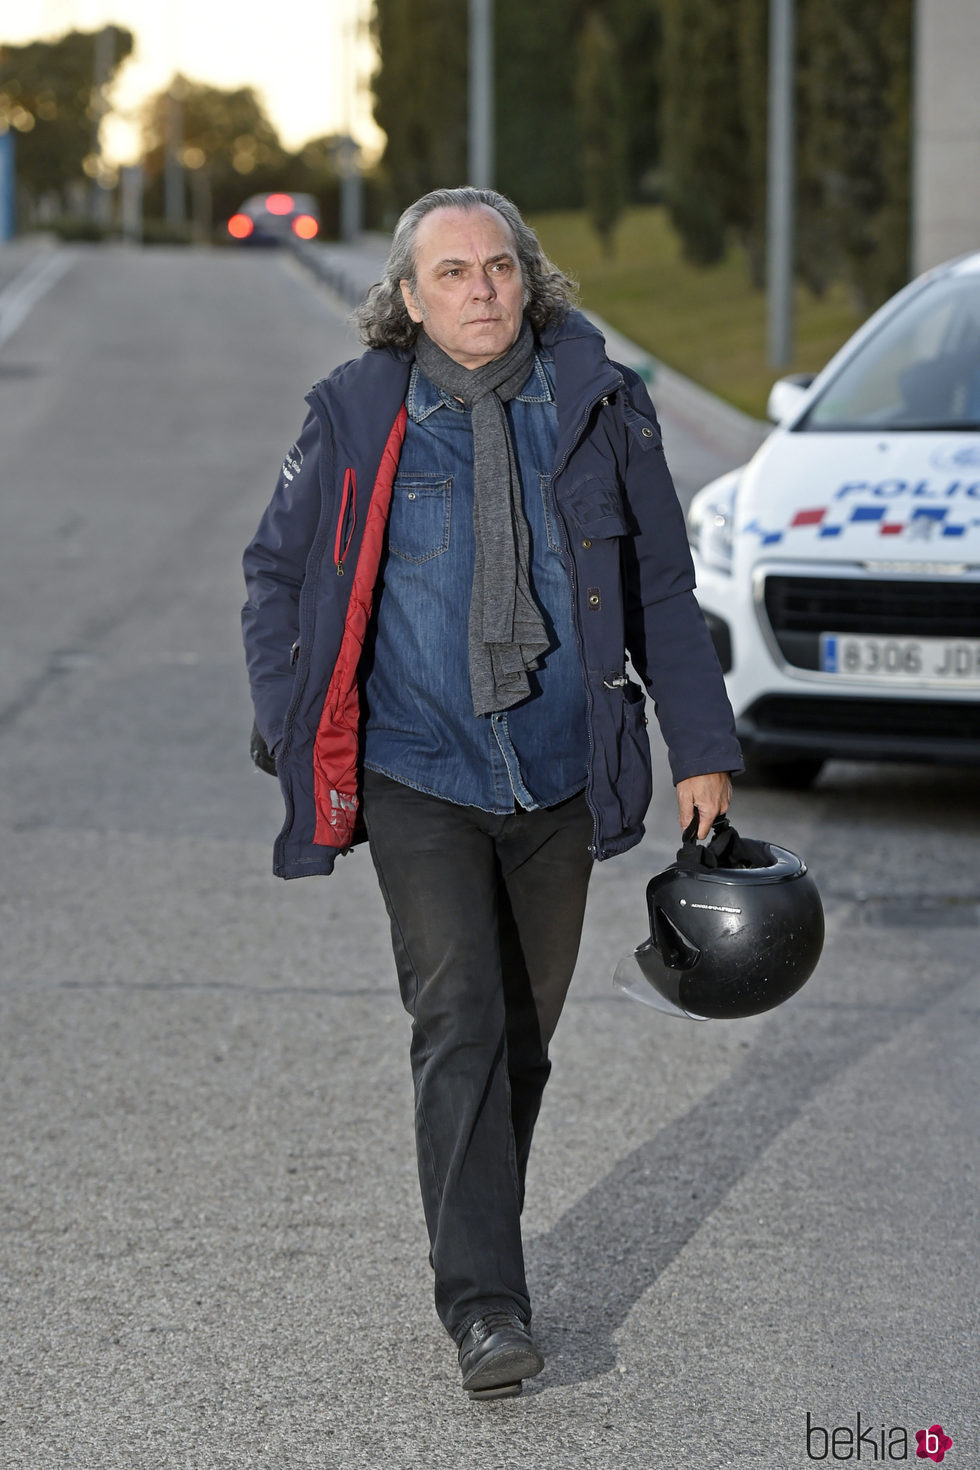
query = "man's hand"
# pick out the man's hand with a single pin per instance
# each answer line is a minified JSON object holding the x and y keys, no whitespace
{"x":710,"y":794}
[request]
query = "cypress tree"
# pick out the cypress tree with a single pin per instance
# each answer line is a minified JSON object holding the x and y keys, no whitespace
{"x":854,"y":82}
{"x":636,"y":25}
{"x":752,"y":63}
{"x":538,"y":137}
{"x":601,"y":109}
{"x":704,"y":144}
{"x":420,"y":94}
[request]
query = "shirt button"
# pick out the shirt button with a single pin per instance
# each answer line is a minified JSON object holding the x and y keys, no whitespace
{"x":586,"y":543}
{"x":648,"y":433}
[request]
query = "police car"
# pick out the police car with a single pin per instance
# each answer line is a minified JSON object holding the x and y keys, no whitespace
{"x":839,"y":571}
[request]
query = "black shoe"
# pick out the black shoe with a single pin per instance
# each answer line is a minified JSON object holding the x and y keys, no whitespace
{"x":496,"y":1354}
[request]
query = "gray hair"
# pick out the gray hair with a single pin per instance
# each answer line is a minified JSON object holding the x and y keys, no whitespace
{"x":382,"y":319}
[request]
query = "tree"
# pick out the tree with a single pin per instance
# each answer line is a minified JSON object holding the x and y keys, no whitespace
{"x":420,"y":91}
{"x":678,"y":89}
{"x":601,"y":111}
{"x":225,"y":133}
{"x":48,"y":93}
{"x":854,"y":84}
{"x":892,"y":226}
{"x":636,"y":25}
{"x":538,"y":125}
{"x":704,"y":143}
{"x":420,"y":94}
{"x":315,"y":169}
{"x":752,"y":63}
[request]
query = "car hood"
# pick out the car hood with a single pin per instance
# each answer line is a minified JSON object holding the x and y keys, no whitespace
{"x":911,"y":497}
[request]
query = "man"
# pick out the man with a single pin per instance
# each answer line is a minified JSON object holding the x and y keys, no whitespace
{"x":473,"y":529}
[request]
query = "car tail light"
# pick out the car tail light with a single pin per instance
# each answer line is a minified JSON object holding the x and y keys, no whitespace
{"x":240,"y":226}
{"x":305,"y":226}
{"x":279,"y":203}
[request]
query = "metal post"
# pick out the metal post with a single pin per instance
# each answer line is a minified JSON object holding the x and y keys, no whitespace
{"x":131,"y":189}
{"x":351,"y":191}
{"x":175,"y":203}
{"x":103,"y":58}
{"x":201,"y":200}
{"x":8,"y":186}
{"x":349,"y":154}
{"x":781,"y":184}
{"x":481,"y":94}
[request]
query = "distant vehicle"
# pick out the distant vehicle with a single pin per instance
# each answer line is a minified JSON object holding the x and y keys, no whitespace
{"x":271,"y":219}
{"x":839,"y":570}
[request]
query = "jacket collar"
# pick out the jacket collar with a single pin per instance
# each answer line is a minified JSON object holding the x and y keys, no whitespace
{"x":423,"y":397}
{"x":583,"y":375}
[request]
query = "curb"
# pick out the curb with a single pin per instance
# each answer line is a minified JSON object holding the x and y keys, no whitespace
{"x":720,"y":426}
{"x":349,"y":270}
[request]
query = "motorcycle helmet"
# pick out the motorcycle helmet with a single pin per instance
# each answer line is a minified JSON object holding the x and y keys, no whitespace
{"x":736,"y":928}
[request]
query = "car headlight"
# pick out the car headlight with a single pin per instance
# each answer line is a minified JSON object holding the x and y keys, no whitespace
{"x":711,"y":523}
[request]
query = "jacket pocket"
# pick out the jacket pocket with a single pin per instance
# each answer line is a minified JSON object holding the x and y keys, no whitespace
{"x":596,"y":508}
{"x":421,"y":511}
{"x":634,"y":787}
{"x":345,"y":521}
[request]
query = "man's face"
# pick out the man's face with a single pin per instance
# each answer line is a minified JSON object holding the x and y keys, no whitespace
{"x":470,"y":293}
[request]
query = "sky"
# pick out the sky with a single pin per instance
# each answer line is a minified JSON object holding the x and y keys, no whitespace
{"x":301,"y":56}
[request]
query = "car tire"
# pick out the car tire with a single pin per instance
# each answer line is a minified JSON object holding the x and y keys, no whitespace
{"x":794,"y":774}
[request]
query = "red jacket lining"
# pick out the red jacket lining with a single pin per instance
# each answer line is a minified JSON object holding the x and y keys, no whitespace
{"x":336,"y":745}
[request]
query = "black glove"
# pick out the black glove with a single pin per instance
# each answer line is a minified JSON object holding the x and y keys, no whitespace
{"x":260,"y":753}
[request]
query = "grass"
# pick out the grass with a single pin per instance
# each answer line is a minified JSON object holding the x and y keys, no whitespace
{"x":708,"y":323}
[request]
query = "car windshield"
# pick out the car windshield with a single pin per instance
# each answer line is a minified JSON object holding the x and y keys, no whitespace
{"x":921,"y":370}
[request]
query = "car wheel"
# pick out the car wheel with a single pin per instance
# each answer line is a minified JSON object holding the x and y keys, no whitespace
{"x":794,"y":774}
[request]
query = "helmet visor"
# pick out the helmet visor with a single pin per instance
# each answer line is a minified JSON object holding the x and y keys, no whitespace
{"x":630,"y":979}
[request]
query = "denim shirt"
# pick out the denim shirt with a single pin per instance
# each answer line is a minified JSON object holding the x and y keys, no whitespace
{"x":420,"y":727}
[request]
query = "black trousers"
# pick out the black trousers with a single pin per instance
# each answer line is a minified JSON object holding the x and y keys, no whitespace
{"x":486,"y":916}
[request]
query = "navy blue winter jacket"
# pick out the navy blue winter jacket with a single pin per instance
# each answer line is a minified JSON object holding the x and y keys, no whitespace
{"x":312,"y":573}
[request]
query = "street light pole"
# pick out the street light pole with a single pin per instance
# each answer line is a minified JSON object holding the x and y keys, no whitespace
{"x":174,"y":205}
{"x":174,"y":196}
{"x":481,"y":94}
{"x":351,"y":179}
{"x":8,"y":185}
{"x":781,"y":184}
{"x":103,"y":57}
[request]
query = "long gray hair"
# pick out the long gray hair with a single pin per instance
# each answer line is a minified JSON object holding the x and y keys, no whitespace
{"x":383,"y":321}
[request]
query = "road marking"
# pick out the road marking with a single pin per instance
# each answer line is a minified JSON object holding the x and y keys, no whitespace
{"x":26,"y":289}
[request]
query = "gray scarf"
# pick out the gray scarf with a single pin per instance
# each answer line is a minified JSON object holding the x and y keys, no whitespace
{"x":506,"y":630}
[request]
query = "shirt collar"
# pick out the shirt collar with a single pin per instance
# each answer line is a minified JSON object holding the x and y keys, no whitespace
{"x":423,"y":397}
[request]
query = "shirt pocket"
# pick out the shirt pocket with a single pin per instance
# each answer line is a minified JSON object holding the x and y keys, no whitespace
{"x":421,"y":511}
{"x":551,"y":522}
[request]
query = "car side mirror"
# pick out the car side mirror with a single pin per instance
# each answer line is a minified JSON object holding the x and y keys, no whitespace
{"x":786,"y":396}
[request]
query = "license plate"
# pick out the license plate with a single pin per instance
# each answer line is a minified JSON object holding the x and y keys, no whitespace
{"x":953,"y":660}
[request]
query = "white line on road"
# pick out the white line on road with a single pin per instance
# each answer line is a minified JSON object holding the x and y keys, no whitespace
{"x":26,"y":289}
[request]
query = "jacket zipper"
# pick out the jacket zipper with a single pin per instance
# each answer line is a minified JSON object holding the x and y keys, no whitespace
{"x":604,"y":399}
{"x":346,"y":521}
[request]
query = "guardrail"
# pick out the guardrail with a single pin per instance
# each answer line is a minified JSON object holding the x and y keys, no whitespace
{"x":350,"y":270}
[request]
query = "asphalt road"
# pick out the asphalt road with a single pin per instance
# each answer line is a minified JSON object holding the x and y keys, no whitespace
{"x":211,"y":1243}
